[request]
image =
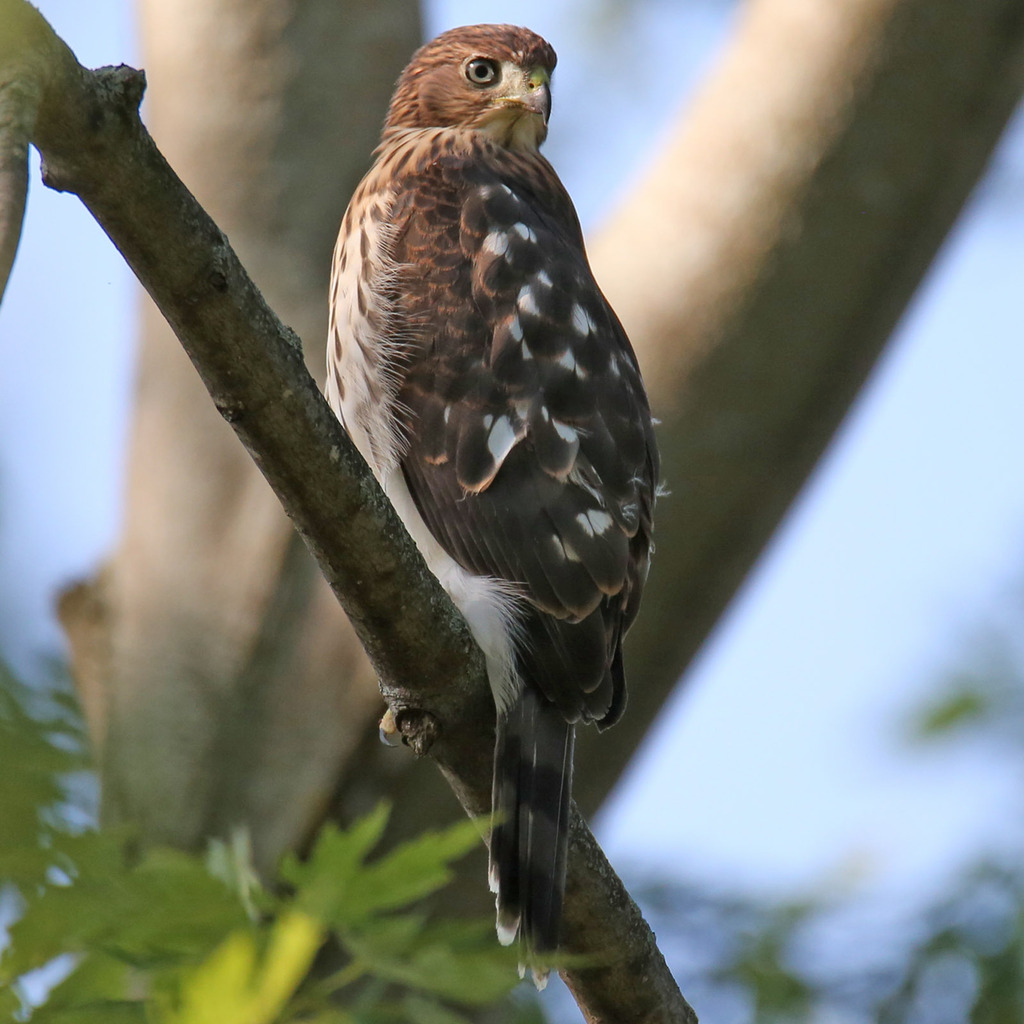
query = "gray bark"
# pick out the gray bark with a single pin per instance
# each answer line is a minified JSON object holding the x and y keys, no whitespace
{"x":236,"y":691}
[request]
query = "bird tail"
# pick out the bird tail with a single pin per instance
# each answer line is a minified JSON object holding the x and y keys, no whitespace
{"x":533,"y":757}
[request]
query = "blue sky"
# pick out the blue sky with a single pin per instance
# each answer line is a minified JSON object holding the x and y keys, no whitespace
{"x":778,"y":764}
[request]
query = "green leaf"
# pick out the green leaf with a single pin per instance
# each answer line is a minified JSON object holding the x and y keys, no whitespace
{"x":109,"y":1012}
{"x":413,"y":870}
{"x":119,"y":1012}
{"x":418,"y":1010}
{"x":10,"y":1004}
{"x":963,"y":706}
{"x":458,"y":960}
{"x":166,"y":908}
{"x":232,"y":862}
{"x":330,"y":1016}
{"x":99,"y":980}
{"x":339,"y":888}
{"x":332,"y":872}
{"x":760,"y":966}
{"x":41,"y":744}
{"x":235,"y":986}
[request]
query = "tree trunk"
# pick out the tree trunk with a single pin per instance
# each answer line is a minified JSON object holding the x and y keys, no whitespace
{"x":235,"y":690}
{"x":763,"y":262}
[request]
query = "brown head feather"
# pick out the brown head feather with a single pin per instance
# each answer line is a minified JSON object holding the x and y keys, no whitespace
{"x":433,"y":91}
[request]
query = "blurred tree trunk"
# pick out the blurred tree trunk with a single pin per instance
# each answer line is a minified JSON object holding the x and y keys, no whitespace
{"x":762,"y":263}
{"x":759,"y":269}
{"x":230,"y":688}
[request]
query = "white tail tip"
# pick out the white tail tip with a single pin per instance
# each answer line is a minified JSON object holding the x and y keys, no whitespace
{"x":507,"y":929}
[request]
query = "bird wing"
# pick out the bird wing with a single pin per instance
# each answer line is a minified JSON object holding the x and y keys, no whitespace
{"x":530,"y":451}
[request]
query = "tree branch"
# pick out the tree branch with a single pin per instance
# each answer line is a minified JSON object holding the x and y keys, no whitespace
{"x":93,"y":144}
{"x":20,"y":78}
{"x":223,"y":646}
{"x":15,"y":102}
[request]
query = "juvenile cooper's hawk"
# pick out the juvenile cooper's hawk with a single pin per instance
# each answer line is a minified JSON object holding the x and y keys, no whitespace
{"x":481,"y":373}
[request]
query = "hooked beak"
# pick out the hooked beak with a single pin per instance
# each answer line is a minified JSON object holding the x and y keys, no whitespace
{"x":518,"y":115}
{"x":538,"y":101}
{"x":538,"y":94}
{"x":532,"y":95}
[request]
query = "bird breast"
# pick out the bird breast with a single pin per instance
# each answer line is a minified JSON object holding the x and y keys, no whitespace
{"x":365,"y":339}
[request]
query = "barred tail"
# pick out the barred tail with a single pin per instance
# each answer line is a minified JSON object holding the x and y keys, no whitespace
{"x":529,"y":843}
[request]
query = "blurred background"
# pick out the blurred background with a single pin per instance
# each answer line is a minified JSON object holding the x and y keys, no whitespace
{"x":825,"y":822}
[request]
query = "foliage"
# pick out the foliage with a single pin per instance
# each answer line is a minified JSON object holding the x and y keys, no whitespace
{"x":754,"y":961}
{"x":110,"y":933}
{"x":105,"y":932}
{"x":960,"y":960}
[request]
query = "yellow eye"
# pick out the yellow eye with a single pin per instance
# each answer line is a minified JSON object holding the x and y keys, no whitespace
{"x":481,"y":71}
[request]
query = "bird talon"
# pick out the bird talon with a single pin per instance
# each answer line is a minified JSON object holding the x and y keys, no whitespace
{"x":389,"y":734}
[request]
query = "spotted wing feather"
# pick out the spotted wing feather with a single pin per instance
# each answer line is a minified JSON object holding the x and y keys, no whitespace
{"x":531,"y":455}
{"x":531,"y":459}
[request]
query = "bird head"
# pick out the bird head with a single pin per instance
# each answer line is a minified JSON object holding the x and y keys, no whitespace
{"x":495,"y":79}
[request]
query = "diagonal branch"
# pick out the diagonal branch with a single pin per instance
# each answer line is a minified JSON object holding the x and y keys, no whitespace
{"x":15,"y":102}
{"x":94,"y":145}
{"x":20,"y":83}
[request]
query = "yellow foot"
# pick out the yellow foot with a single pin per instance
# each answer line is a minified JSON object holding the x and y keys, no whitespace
{"x":389,"y":734}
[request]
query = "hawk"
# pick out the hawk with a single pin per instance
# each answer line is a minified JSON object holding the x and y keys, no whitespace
{"x":485,"y":379}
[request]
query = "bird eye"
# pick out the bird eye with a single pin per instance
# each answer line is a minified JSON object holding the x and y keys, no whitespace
{"x":481,"y":71}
